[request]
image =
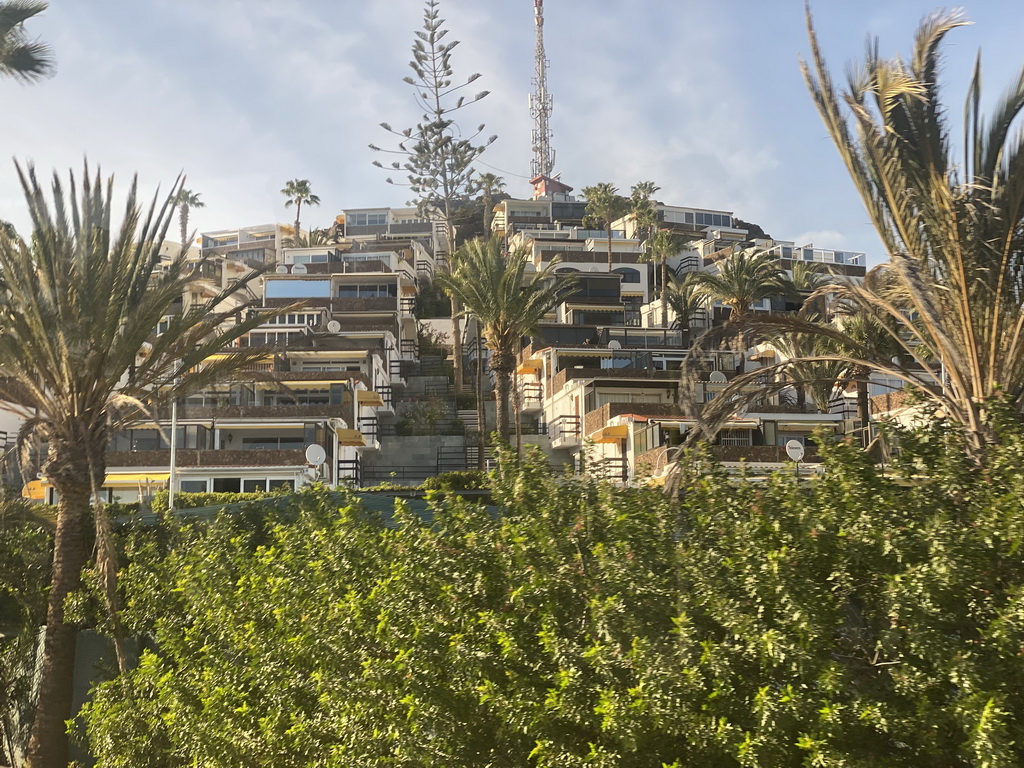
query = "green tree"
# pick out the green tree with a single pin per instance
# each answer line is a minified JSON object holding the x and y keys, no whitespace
{"x":742,"y":279}
{"x":807,"y":279}
{"x":661,"y":246}
{"x":508,"y":303}
{"x":79,"y":359}
{"x":960,"y":283}
{"x":25,"y":553}
{"x":807,"y":374}
{"x":439,"y":156}
{"x":866,"y":337}
{"x":297,"y":192}
{"x":850,"y":619}
{"x":605,"y":206}
{"x":684,"y":299}
{"x":186,"y":200}
{"x":21,"y":58}
{"x":642,"y":207}
{"x":489,"y":184}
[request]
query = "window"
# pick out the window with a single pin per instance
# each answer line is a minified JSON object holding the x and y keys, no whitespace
{"x":629,"y":275}
{"x":254,"y":486}
{"x":227,"y":485}
{"x":193,"y":486}
{"x":367,"y":291}
{"x":368,"y":219}
{"x":298,"y":289}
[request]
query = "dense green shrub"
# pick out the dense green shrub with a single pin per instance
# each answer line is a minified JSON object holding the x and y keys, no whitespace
{"x":26,"y":546}
{"x":196,"y":500}
{"x":460,"y":480}
{"x":851,"y":620}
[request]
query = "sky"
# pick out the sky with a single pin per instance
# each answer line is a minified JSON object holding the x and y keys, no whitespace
{"x":703,"y":97}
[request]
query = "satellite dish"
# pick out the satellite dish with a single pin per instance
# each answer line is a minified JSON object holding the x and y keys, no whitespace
{"x":282,"y":269}
{"x":315,"y":455}
{"x":333,"y":326}
{"x":613,"y":344}
{"x":795,"y":450}
{"x":299,"y":269}
{"x":717,"y":377}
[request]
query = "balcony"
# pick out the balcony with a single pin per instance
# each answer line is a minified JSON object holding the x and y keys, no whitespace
{"x":223,"y":413}
{"x":365,"y":304}
{"x":599,"y":417}
{"x":259,"y":457}
{"x":532,"y":397}
{"x":767,"y":454}
{"x":564,"y":432}
{"x":645,"y":374}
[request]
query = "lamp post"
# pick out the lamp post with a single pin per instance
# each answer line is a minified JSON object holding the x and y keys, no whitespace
{"x":173,"y":476}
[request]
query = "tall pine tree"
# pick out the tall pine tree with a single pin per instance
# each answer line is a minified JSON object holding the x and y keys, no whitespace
{"x":439,"y":156}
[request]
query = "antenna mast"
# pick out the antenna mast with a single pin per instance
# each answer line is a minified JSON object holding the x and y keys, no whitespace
{"x":543,"y":163}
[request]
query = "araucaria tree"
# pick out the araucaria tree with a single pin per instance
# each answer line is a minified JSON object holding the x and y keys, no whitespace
{"x":298,"y":192}
{"x":80,"y":302}
{"x":507,"y":301}
{"x":438,"y":154}
{"x":20,"y":57}
{"x":605,"y":206}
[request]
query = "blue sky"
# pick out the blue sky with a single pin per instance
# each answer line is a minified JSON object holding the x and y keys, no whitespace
{"x":704,"y":97}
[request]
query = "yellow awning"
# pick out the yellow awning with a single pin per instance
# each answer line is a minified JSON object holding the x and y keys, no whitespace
{"x":132,"y":479}
{"x":350,"y":437}
{"x":34,"y":490}
{"x":227,"y":355}
{"x":806,"y":426}
{"x":611,"y":434}
{"x":369,"y":397}
{"x":530,"y":366}
{"x":37,"y":488}
{"x":305,"y":384}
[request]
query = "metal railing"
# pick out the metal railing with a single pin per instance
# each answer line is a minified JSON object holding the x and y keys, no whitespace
{"x":411,"y":474}
{"x":564,"y":426}
{"x":370,"y":427}
{"x":350,"y":469}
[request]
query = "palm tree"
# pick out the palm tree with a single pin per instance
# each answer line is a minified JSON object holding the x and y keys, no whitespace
{"x":186,"y":200}
{"x":489,"y":184}
{"x":507,"y":303}
{"x":661,"y":247}
{"x":605,"y":206}
{"x":21,"y":58}
{"x":642,"y":209}
{"x":952,"y":226}
{"x":806,"y":279}
{"x":683,"y":298}
{"x":817,"y":378}
{"x":743,"y":278}
{"x":78,"y":360}
{"x":298,"y":192}
{"x":869,"y":336}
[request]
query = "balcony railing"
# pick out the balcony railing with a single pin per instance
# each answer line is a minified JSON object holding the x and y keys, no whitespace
{"x":225,"y":412}
{"x":213,"y":458}
{"x":612,"y":468}
{"x":533,"y":396}
{"x":564,"y":428}
{"x":370,"y":428}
